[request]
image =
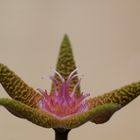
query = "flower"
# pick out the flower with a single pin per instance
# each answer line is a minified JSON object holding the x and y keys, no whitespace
{"x":66,"y":107}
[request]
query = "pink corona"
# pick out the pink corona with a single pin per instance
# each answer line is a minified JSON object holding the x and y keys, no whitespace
{"x":62,"y":103}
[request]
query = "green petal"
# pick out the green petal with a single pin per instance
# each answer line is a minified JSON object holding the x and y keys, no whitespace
{"x":105,"y":114}
{"x":48,"y":121}
{"x":120,"y":96}
{"x":66,"y":63}
{"x":32,"y":114}
{"x":91,"y":115}
{"x":17,"y":88}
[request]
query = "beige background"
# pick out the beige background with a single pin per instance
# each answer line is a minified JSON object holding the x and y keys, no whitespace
{"x":105,"y":36}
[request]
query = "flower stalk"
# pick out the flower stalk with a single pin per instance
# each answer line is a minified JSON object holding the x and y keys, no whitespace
{"x":61,"y":134}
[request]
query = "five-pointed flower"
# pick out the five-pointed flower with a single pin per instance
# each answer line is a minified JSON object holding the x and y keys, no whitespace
{"x":65,"y":106}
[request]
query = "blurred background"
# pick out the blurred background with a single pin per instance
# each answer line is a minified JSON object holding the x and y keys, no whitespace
{"x":105,"y":36}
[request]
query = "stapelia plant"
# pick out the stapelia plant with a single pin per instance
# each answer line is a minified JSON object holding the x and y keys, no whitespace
{"x":65,"y":107}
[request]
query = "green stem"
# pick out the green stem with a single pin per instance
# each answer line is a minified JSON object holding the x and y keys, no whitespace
{"x":61,"y":134}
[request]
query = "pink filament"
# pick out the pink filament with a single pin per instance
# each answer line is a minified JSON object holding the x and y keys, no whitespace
{"x":63,"y":103}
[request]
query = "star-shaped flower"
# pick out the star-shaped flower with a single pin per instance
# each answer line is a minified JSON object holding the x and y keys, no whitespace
{"x":65,"y":107}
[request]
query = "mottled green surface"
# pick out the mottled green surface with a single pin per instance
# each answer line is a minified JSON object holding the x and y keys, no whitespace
{"x":32,"y":114}
{"x":47,"y":120}
{"x":121,"y":96}
{"x":17,"y":88}
{"x":79,"y":119}
{"x":66,"y":63}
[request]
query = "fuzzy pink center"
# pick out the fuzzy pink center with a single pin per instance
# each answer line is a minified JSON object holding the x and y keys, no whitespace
{"x":63,"y":103}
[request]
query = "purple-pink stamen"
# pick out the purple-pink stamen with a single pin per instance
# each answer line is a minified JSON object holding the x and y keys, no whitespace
{"x":63,"y":103}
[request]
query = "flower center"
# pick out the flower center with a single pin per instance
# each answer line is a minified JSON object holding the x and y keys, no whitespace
{"x":63,"y":103}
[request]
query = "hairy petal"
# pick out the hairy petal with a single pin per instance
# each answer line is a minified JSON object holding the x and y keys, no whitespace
{"x":17,"y":88}
{"x":121,"y":96}
{"x":66,"y":63}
